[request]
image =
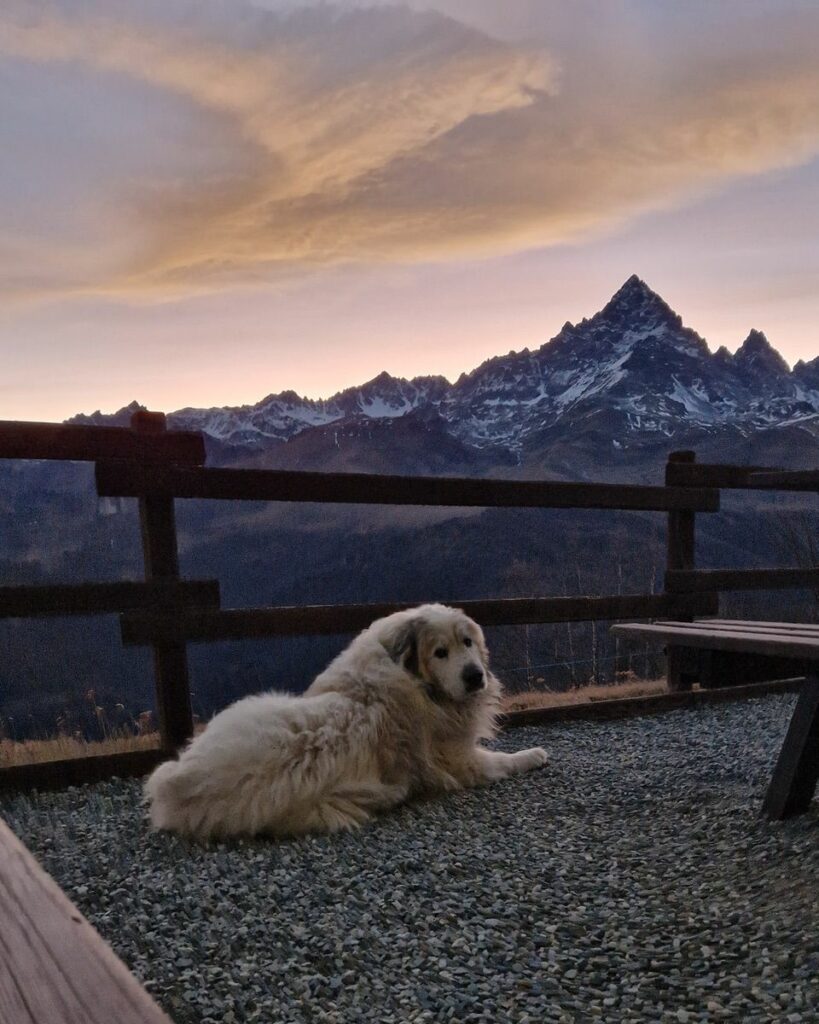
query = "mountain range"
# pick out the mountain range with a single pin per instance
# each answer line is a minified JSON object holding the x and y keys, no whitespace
{"x":606,"y":399}
{"x":617,"y":389}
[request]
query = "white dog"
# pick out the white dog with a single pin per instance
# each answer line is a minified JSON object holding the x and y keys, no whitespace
{"x":398,"y":713}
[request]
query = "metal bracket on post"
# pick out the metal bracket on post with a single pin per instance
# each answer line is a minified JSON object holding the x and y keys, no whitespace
{"x":159,"y":548}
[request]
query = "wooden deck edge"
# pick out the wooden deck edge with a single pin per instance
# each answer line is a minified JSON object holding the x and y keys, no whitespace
{"x":55,"y":967}
{"x":77,"y":771}
{"x":634,"y":707}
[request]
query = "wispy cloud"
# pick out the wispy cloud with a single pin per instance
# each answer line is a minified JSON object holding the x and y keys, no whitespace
{"x":383,"y":133}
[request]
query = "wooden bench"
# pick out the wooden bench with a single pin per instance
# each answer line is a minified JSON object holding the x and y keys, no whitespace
{"x":794,"y":779}
{"x":54,"y":967}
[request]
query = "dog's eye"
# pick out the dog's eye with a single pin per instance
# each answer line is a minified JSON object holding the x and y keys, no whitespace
{"x":440,"y":652}
{"x":467,"y":642}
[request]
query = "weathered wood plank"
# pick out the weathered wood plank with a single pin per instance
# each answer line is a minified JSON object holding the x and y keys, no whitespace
{"x":697,"y":634}
{"x":75,"y":443}
{"x":793,"y":783}
{"x":54,"y":967}
{"x":131,"y":480}
{"x":744,"y":626}
{"x":241,"y":623}
{"x":102,"y":598}
{"x":694,"y":581}
{"x":797,"y":627}
{"x":749,"y":626}
{"x":78,"y":771}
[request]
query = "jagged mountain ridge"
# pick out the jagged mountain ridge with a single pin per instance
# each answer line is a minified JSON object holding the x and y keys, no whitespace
{"x":606,"y":399}
{"x":633,"y":371}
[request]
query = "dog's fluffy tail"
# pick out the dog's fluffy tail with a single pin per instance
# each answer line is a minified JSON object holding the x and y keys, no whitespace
{"x":164,"y":795}
{"x":178,"y":801}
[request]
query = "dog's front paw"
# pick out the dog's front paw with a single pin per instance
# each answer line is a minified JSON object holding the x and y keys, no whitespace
{"x":533,"y":758}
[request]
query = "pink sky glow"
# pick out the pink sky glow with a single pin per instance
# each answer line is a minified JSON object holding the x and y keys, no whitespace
{"x":203,"y":203}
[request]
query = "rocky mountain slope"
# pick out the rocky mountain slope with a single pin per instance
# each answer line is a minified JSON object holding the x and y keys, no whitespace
{"x":618,"y":388}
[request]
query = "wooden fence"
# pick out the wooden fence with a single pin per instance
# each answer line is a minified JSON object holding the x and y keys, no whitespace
{"x":158,"y":467}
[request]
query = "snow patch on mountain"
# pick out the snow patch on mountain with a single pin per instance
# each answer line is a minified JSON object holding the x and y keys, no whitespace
{"x":635,"y":364}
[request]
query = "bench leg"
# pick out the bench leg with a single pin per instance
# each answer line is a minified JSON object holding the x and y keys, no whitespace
{"x":794,"y":779}
{"x":679,"y":669}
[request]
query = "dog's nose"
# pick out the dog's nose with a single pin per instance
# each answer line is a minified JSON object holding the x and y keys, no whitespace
{"x":473,"y":678}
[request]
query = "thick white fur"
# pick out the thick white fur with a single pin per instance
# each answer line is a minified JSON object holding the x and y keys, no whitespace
{"x":388,"y":719}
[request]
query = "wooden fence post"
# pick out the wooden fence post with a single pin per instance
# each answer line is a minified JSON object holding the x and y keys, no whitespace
{"x":681,"y":544}
{"x":159,"y":549}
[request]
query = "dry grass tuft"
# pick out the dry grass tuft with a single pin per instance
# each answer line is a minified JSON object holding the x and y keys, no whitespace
{"x":584,"y":694}
{"x":64,"y":747}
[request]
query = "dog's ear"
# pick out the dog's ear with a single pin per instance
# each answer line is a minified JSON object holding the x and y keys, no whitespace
{"x":402,"y":645}
{"x":483,"y":650}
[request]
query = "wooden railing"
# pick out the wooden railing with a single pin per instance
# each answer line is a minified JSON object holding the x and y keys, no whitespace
{"x":165,"y":483}
{"x":157,"y":466}
{"x":123,"y":479}
{"x":146,"y":443}
{"x":146,"y":440}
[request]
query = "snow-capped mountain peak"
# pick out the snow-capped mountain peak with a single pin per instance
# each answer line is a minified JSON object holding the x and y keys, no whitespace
{"x":635,"y":301}
{"x":757,"y":356}
{"x":631,"y":372}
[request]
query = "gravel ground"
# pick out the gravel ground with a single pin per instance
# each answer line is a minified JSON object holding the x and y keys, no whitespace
{"x":630,"y":880}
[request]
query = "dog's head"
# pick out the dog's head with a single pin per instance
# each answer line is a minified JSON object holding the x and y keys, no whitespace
{"x":441,"y":646}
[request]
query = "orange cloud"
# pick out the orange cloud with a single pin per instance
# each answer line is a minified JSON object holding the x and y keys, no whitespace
{"x":383,"y":134}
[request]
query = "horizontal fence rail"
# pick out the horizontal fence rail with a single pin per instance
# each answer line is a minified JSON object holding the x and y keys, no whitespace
{"x":797,"y":480}
{"x":127,"y":480}
{"x":727,"y":477}
{"x":704,"y":580}
{"x":101,"y":598}
{"x":79,"y":771}
{"x":237,"y":623}
{"x":79,"y":443}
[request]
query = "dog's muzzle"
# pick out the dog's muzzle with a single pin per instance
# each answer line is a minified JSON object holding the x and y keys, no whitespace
{"x":473,"y":678}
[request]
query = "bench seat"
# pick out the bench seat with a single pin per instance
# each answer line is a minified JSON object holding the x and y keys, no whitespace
{"x":785,"y":639}
{"x":794,"y":779}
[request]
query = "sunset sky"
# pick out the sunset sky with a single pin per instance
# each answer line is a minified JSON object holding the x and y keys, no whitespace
{"x":204,"y":202}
